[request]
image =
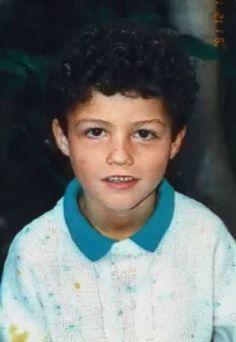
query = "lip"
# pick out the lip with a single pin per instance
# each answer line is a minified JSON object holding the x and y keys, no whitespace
{"x":105,"y":178}
{"x":121,"y":185}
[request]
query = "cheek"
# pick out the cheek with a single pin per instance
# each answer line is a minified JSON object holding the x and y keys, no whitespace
{"x":156,"y":160}
{"x":157,"y":168}
{"x":78,"y":162}
{"x":84,"y":166}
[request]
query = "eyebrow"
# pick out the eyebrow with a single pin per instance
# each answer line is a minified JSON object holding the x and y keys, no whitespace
{"x":107,"y":123}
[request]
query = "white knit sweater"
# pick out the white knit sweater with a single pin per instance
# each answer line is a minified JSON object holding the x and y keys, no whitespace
{"x":183,"y":292}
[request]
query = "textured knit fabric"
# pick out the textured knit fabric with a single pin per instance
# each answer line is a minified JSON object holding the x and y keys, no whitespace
{"x":183,"y":291}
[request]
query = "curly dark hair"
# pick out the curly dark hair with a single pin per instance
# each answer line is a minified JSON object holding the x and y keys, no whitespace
{"x":128,"y":59}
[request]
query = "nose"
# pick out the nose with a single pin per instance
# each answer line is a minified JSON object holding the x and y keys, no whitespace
{"x":120,"y":152}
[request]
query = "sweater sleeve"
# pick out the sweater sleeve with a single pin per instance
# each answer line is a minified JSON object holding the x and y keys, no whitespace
{"x":21,"y":314}
{"x":225,"y":289}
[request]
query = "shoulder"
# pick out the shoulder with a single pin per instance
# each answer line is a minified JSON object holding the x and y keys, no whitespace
{"x":197,"y":221}
{"x":40,"y":233}
{"x":192,"y":211}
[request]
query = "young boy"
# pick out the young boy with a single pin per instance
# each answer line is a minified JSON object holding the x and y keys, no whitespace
{"x":122,"y":256}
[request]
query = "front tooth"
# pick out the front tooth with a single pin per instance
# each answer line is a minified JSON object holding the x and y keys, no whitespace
{"x":120,"y":179}
{"x":127,"y":178}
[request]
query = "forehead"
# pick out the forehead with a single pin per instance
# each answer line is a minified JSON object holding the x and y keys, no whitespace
{"x":120,"y":108}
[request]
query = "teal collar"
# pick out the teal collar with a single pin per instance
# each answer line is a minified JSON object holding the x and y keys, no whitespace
{"x":94,"y":245}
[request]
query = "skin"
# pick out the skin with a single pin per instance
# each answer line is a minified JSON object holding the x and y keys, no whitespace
{"x":122,"y":145}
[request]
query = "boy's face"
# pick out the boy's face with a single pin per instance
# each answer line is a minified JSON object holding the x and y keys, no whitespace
{"x":118,"y":136}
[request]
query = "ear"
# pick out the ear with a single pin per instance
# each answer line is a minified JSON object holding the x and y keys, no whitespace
{"x":177,"y":143}
{"x":60,"y":137}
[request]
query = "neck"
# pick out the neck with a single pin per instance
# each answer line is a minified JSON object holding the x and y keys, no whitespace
{"x":118,"y":225}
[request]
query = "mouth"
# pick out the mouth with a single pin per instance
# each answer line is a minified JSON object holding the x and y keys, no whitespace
{"x":120,"y":181}
{"x":119,"y":178}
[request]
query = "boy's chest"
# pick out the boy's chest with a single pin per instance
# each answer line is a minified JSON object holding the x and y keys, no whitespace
{"x":129,"y":299}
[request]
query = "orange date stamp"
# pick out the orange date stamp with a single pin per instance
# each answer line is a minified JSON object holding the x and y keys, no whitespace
{"x":219,"y":24}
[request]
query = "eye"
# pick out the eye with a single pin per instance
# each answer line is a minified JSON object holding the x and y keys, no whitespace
{"x":146,"y":134}
{"x":94,"y":132}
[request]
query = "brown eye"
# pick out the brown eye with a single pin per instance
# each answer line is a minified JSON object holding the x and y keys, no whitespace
{"x":94,"y":132}
{"x":145,"y":134}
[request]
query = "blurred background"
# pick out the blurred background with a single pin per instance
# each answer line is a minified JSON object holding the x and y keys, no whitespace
{"x":33,"y":174}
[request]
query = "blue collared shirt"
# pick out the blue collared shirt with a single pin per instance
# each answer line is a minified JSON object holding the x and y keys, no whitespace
{"x":94,"y":245}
